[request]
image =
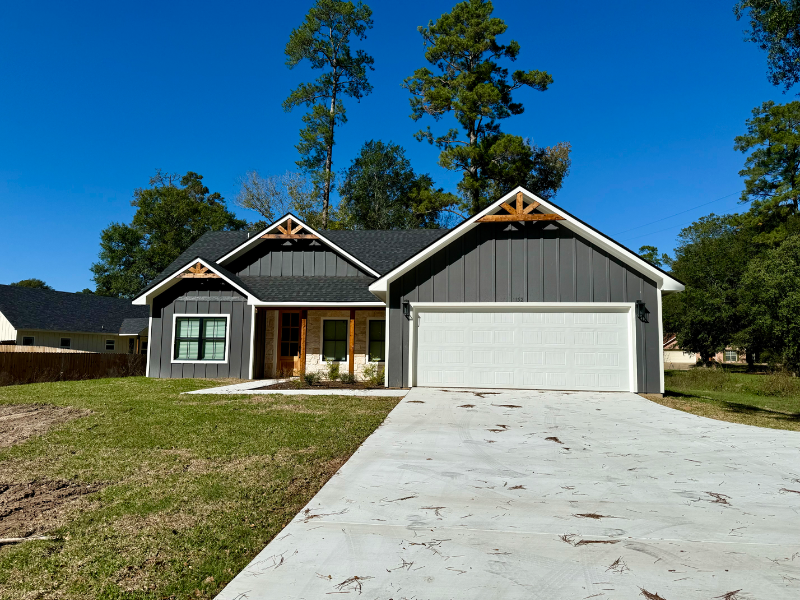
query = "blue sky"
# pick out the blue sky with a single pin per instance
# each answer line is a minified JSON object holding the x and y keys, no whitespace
{"x":97,"y":95}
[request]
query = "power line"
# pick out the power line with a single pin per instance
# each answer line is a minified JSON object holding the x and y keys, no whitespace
{"x":675,"y":215}
{"x":652,"y":233}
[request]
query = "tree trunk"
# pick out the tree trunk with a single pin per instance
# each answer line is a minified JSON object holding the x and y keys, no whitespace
{"x":326,"y":194}
{"x":473,"y":171}
{"x":751,"y":360}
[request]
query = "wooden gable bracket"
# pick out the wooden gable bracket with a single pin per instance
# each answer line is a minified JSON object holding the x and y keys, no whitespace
{"x":199,"y":272}
{"x":289,"y":232}
{"x":520,"y":212}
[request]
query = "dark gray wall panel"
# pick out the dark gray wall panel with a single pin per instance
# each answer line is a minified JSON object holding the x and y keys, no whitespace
{"x":201,"y":296}
{"x":276,"y":258}
{"x":535,"y":270}
{"x":566,"y":269}
{"x":498,"y":262}
{"x":583,"y":271}
{"x":471,"y":266}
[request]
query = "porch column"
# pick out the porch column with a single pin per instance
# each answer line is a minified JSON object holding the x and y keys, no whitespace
{"x":352,"y":348}
{"x":303,"y":326}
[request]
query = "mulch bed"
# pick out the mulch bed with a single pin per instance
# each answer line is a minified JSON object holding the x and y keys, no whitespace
{"x":294,"y":384}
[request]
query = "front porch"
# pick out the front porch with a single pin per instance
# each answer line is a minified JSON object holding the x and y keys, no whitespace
{"x":290,"y":341}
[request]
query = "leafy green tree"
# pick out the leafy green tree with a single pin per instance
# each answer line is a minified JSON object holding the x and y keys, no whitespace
{"x":775,"y":27}
{"x":772,"y":169}
{"x":324,"y":40}
{"x":650,"y":253}
{"x":170,"y":216}
{"x":771,"y":291}
{"x":32,"y":283}
{"x":468,"y":82}
{"x":710,"y":259}
{"x":381,"y":191}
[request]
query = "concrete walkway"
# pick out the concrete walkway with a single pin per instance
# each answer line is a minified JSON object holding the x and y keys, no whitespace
{"x":250,"y":387}
{"x":549,"y":496}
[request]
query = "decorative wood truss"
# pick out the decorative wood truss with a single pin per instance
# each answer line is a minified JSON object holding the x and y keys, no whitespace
{"x":289,"y":231}
{"x":520,"y":213}
{"x":198,"y":271}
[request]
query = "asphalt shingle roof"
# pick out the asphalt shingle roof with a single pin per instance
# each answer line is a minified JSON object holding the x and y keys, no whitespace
{"x":134,"y":326}
{"x":381,"y":250}
{"x":311,"y":289}
{"x":47,"y":310}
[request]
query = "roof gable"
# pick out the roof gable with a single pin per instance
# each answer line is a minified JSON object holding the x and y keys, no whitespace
{"x":527,"y":206}
{"x":289,"y":227}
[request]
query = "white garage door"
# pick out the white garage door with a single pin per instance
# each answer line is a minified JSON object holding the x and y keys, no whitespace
{"x":539,"y":350}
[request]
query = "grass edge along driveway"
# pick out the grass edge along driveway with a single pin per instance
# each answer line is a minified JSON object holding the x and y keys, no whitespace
{"x":192,"y":487}
{"x":769,"y":400}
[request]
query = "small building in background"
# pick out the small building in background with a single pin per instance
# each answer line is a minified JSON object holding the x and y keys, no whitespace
{"x":38,"y":320}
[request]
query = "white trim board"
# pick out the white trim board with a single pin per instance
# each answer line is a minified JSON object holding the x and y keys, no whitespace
{"x":172,"y":358}
{"x":336,"y":305}
{"x":241,"y":248}
{"x":549,"y":307}
{"x":664,"y":281}
{"x":173,"y":279}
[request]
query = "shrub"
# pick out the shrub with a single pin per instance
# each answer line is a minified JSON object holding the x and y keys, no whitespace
{"x":347,"y":378}
{"x":780,"y":383}
{"x":373,"y":374}
{"x":312,"y":378}
{"x":333,"y":371}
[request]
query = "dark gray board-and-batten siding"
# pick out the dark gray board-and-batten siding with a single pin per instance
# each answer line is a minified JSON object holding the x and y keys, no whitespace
{"x":200,"y":296}
{"x":274,"y":258}
{"x":529,"y":262}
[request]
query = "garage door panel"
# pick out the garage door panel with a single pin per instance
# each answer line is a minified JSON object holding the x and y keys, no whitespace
{"x":526,"y":349}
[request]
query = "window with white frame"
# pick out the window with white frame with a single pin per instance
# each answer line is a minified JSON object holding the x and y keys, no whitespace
{"x":28,"y":340}
{"x":731,"y":356}
{"x":200,"y":339}
{"x":66,"y":342}
{"x":110,"y":344}
{"x":376,"y":340}
{"x":334,"y":340}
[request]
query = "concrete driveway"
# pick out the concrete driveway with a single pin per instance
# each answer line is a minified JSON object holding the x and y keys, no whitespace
{"x":546,"y":495}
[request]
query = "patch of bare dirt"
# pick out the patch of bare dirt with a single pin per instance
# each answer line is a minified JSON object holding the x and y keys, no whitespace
{"x":38,"y":506}
{"x":18,"y":422}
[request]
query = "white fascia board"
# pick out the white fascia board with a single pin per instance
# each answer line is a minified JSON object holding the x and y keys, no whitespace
{"x":259,"y":303}
{"x":237,"y":252}
{"x":665,"y":283}
{"x":538,"y":306}
{"x":147,"y":297}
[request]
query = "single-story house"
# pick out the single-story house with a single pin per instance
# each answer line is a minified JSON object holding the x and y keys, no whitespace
{"x":521,"y":295}
{"x":83,"y":322}
{"x":675,"y":358}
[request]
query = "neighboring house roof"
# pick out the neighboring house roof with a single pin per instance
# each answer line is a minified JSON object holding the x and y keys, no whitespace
{"x":293,"y":290}
{"x":380,"y":250}
{"x":134,"y":326}
{"x":48,"y":310}
{"x":666,"y":282}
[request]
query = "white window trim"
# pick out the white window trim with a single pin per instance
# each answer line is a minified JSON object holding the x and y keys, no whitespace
{"x":68,"y":347}
{"x":322,"y":340}
{"x":385,"y":335}
{"x":113,"y":344}
{"x":33,"y":337}
{"x":622,"y":307}
{"x":725,"y":356}
{"x":175,"y":361}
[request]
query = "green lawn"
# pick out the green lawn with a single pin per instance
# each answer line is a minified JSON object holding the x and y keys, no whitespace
{"x":194,"y":486}
{"x":764,"y":400}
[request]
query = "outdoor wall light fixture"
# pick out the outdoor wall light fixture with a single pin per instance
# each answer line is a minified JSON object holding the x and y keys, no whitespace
{"x":406,"y":308}
{"x":642,"y":312}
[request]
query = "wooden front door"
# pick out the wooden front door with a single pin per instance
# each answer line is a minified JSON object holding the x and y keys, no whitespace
{"x":290,"y":343}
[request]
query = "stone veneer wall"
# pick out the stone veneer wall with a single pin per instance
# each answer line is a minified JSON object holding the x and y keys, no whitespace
{"x":270,"y":343}
{"x":314,"y":362}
